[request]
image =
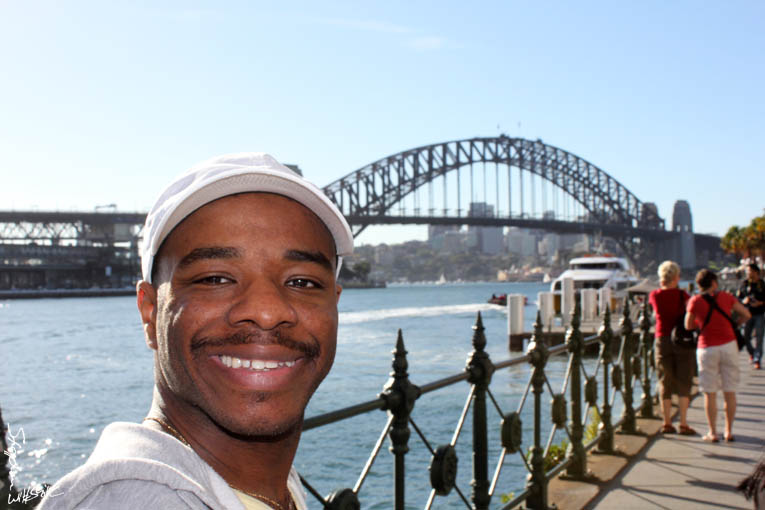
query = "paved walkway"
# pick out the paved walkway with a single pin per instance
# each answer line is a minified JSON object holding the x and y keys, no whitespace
{"x":684,"y":472}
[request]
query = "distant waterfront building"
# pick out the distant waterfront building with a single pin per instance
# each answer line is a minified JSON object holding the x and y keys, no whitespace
{"x":450,"y":242}
{"x":446,"y":238}
{"x":552,"y":244}
{"x":549,"y":246}
{"x":384,"y":255}
{"x":521,"y":241}
{"x":438,"y":230}
{"x":486,"y":239}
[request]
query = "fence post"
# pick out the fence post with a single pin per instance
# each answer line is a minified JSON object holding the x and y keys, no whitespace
{"x":606,"y":441}
{"x":537,"y":481}
{"x":646,"y":402}
{"x":575,"y":343}
{"x":629,"y":423}
{"x":480,"y":369}
{"x":399,"y":395}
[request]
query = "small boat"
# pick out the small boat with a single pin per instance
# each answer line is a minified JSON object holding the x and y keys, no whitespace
{"x":501,"y":300}
{"x":498,"y":299}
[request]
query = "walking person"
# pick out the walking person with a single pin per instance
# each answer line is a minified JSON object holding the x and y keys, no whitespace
{"x":752,"y":294}
{"x":717,"y":352}
{"x":675,"y":362}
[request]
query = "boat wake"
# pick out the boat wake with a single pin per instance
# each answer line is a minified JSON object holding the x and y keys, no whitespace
{"x":414,"y":311}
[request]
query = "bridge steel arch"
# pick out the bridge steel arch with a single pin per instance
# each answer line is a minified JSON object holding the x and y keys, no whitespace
{"x":369,"y":194}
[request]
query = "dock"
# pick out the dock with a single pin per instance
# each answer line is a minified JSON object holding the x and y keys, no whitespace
{"x":66,"y":293}
{"x":554,"y":335}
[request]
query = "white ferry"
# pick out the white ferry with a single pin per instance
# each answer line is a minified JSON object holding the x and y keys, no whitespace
{"x":595,"y":272}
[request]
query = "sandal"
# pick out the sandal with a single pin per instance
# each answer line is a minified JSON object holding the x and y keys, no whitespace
{"x":685,"y":430}
{"x":711,"y":438}
{"x":729,"y":439}
{"x":668,"y":429}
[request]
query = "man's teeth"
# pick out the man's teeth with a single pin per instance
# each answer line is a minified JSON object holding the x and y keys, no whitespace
{"x":254,"y":364}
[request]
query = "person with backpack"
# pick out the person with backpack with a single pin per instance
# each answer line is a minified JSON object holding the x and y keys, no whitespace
{"x":752,"y":294}
{"x":674,"y":358}
{"x":717,"y":353}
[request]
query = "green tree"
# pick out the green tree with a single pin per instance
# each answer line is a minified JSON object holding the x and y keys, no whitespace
{"x":362,"y":270}
{"x":745,"y":241}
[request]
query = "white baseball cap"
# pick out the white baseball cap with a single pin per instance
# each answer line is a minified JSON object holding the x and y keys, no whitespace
{"x":228,"y":175}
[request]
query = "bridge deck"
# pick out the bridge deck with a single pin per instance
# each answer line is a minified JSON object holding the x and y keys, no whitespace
{"x":684,"y":472}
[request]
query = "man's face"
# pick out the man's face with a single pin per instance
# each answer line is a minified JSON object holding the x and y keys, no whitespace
{"x":246,"y":313}
{"x":752,"y":274}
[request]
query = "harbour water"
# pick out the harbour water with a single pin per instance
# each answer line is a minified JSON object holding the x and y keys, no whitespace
{"x":71,"y":366}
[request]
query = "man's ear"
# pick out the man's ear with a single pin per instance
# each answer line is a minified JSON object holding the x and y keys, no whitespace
{"x":146,"y":296}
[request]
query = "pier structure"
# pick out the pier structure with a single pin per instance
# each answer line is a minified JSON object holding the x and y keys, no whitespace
{"x":68,"y":250}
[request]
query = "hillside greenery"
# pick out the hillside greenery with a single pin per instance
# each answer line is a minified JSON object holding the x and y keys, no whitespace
{"x":416,"y":261}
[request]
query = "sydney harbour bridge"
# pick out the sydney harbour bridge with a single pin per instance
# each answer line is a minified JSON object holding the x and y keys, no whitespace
{"x":493,"y":181}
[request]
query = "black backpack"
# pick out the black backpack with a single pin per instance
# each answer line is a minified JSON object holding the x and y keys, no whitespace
{"x":684,"y":337}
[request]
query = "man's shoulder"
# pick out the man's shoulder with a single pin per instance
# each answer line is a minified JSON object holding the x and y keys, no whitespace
{"x":118,"y":495}
{"x":132,"y":463}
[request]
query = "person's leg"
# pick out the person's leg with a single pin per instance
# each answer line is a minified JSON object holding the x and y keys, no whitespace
{"x":709,"y":377}
{"x":666,"y":409}
{"x":682,"y":403}
{"x":710,"y":407}
{"x":730,"y":413}
{"x":748,"y":328}
{"x":730,"y":375}
{"x":664,"y":373}
{"x":686,"y":361}
{"x":759,"y":332}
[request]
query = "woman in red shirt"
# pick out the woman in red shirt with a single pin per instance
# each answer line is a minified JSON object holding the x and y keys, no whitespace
{"x":674,"y":363}
{"x":717,"y":352}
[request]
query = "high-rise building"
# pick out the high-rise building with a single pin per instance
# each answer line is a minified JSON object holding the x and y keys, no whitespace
{"x":486,"y":239}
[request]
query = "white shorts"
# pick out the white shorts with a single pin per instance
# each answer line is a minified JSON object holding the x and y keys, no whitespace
{"x":718,"y":367}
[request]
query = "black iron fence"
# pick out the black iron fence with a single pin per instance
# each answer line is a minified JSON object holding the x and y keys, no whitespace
{"x":624,"y":363}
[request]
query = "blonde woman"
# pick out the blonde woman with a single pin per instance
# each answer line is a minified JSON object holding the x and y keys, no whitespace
{"x":674,"y":363}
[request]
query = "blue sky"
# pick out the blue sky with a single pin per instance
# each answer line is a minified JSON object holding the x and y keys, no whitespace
{"x":104,"y":102}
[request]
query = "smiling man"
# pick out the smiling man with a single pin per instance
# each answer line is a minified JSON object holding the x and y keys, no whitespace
{"x":239,"y":304}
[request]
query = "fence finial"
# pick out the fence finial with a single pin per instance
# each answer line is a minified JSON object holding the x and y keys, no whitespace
{"x":606,"y":441}
{"x":399,"y":395}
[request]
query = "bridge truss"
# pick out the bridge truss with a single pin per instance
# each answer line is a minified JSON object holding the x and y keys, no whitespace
{"x":499,"y":181}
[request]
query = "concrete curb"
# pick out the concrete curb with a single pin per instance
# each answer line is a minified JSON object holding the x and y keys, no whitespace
{"x":575,"y":495}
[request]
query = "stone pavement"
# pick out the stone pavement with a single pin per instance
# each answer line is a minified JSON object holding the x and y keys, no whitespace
{"x":683,"y":472}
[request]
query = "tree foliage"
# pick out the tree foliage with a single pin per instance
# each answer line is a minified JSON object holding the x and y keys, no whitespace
{"x":746,"y":241}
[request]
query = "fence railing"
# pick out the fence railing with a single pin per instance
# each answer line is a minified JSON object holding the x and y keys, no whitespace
{"x":570,"y":410}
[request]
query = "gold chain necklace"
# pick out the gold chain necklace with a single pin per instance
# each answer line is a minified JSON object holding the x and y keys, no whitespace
{"x":177,"y":435}
{"x":169,"y":429}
